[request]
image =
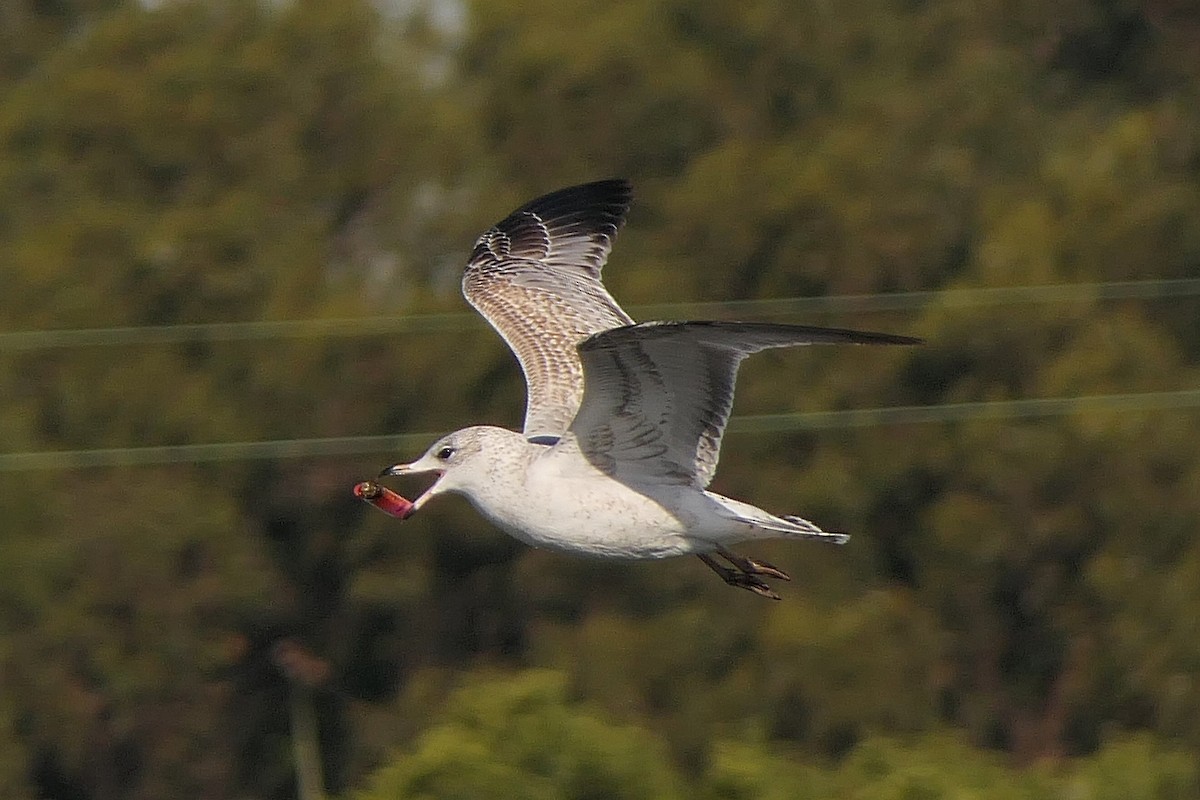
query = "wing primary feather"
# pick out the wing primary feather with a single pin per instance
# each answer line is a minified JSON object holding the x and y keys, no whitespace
{"x":535,"y":276}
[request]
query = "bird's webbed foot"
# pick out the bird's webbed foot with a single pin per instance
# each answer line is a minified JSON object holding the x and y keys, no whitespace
{"x":745,"y":572}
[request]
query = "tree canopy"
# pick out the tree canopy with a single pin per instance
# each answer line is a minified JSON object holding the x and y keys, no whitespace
{"x":1015,"y":615}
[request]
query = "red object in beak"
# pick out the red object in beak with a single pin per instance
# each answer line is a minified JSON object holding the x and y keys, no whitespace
{"x":384,"y":499}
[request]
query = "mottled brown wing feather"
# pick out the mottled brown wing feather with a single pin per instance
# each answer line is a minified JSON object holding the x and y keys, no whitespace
{"x":535,"y":276}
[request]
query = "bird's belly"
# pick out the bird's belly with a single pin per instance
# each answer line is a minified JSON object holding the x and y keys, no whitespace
{"x":581,"y":518}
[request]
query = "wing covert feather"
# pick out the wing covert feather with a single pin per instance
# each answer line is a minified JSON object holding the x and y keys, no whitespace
{"x":535,"y":276}
{"x":658,"y":395}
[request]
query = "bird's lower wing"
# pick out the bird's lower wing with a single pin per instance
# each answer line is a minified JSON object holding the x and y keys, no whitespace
{"x":657,"y":396}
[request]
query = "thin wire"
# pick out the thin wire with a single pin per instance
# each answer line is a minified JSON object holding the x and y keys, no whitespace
{"x":198,"y":453}
{"x":956,"y":412}
{"x":467,"y":321}
{"x":764,"y":423}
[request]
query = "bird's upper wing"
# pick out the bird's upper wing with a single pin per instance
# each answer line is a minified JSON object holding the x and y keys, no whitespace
{"x":535,"y":276}
{"x":657,"y":395}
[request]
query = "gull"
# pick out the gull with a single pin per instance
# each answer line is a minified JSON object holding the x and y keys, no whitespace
{"x":623,"y":420}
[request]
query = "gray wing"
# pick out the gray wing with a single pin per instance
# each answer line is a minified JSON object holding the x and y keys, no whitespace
{"x":535,"y":276}
{"x":658,"y":395}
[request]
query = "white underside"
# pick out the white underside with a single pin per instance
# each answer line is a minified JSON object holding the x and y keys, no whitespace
{"x":587,"y":513}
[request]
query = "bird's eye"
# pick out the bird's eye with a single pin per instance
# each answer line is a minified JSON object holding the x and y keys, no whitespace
{"x":445,"y":453}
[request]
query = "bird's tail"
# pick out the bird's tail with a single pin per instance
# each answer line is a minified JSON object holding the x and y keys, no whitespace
{"x":800,"y":528}
{"x":768,"y":526}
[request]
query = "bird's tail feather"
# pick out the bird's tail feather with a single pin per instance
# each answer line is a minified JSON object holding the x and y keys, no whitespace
{"x":766,"y":525}
{"x":808,"y":530}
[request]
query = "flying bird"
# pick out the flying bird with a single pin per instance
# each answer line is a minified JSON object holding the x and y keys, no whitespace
{"x":623,"y":420}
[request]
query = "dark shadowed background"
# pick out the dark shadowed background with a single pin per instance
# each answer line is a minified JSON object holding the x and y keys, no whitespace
{"x":231,"y":235}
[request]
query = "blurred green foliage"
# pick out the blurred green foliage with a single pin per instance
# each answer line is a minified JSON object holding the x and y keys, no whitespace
{"x":519,"y":738}
{"x":1016,"y":615}
{"x":522,"y":737}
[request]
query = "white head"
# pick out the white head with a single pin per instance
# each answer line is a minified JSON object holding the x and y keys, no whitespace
{"x":467,"y":461}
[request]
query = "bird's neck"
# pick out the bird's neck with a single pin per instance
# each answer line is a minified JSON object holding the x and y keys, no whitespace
{"x":502,"y":486}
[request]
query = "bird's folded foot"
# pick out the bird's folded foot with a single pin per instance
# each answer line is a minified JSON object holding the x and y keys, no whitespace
{"x":763,"y":568}
{"x":754,"y":584}
{"x":752,"y":566}
{"x":746,"y":578}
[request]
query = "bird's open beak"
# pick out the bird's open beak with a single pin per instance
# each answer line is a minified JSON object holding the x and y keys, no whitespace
{"x":414,"y":469}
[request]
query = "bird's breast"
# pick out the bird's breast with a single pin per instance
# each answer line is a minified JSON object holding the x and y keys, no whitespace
{"x":586,"y":515}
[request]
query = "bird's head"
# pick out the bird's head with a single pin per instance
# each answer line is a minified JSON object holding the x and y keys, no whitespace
{"x":460,"y":460}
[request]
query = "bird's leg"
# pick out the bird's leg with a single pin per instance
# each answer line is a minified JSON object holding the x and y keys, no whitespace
{"x":752,"y":567}
{"x":735,"y":577}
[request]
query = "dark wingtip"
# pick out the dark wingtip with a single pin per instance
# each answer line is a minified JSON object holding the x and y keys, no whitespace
{"x":610,"y":196}
{"x":811,"y":333}
{"x":891,"y":338}
{"x":596,"y":210}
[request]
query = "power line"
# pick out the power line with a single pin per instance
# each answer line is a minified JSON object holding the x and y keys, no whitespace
{"x":237,"y":331}
{"x":764,"y":423}
{"x":199,"y":453}
{"x":467,"y":321}
{"x":956,"y":412}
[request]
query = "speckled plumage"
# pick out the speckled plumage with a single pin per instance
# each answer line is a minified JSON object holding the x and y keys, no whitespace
{"x":550,"y":497}
{"x":623,"y":421}
{"x":535,"y":276}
